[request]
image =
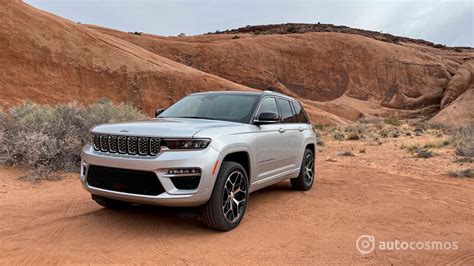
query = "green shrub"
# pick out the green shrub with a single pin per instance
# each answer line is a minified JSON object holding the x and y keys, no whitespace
{"x":393,"y":122}
{"x":45,"y":138}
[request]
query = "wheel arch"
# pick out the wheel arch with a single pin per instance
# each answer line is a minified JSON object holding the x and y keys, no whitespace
{"x":242,"y":157}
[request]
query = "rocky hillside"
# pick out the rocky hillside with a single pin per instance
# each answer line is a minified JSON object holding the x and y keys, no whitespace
{"x":340,"y":74}
{"x":346,"y":74}
{"x":49,"y":59}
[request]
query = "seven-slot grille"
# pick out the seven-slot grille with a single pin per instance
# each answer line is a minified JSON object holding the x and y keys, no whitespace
{"x":144,"y":146}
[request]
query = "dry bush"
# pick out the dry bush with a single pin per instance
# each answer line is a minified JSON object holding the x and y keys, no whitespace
{"x":463,"y":141}
{"x":43,"y":138}
{"x":424,"y":153}
{"x":345,"y":153}
{"x":466,"y":173}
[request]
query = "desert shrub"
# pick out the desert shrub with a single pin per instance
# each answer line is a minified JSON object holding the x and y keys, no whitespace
{"x":469,"y":173}
{"x":292,"y":29}
{"x":353,"y":136}
{"x":181,"y":35}
{"x":462,"y":160}
{"x":392,"y":121}
{"x":236,"y":37}
{"x":410,"y":147}
{"x":345,"y":153}
{"x":46,"y":138}
{"x":424,"y":153}
{"x":383,"y":133}
{"x":395,"y":133}
{"x":458,"y":50}
{"x":338,"y":136}
{"x":362,"y":150}
{"x":370,"y":120}
{"x":463,"y":141}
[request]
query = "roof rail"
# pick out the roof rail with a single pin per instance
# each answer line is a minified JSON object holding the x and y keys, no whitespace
{"x":276,"y":92}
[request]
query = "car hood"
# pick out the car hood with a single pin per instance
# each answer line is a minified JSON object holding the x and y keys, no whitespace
{"x":162,"y":127}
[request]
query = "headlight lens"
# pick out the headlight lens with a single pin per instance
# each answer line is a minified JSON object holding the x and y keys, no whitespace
{"x":185,"y":144}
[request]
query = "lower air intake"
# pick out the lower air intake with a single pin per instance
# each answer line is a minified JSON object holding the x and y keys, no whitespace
{"x":123,"y":180}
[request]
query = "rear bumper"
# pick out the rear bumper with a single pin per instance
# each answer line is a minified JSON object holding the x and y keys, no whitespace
{"x":204,"y":160}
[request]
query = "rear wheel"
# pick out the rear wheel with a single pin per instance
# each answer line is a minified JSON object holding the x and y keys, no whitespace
{"x":305,"y":179}
{"x":110,"y":203}
{"x":226,"y":207}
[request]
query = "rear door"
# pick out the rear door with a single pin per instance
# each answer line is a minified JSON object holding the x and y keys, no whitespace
{"x":293,"y":137}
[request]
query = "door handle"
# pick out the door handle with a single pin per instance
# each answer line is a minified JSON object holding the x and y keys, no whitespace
{"x":301,"y":129}
{"x":281,"y":130}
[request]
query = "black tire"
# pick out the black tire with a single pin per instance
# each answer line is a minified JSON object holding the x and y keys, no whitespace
{"x":304,"y":181}
{"x":110,"y":203}
{"x":218,"y":213}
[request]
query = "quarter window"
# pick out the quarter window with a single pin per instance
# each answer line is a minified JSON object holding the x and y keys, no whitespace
{"x":286,"y":112}
{"x":300,"y":115}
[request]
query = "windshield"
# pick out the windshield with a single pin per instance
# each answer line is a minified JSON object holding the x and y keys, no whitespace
{"x":226,"y":107}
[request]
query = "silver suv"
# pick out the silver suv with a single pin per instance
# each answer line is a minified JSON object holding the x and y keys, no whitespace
{"x":209,"y":149}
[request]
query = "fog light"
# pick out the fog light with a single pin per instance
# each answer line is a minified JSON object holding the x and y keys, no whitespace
{"x":184,"y":171}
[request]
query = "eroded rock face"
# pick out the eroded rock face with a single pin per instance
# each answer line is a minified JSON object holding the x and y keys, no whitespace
{"x":459,"y":113}
{"x":460,"y":83}
{"x":49,"y":59}
{"x":315,"y":66}
{"x":339,"y":76}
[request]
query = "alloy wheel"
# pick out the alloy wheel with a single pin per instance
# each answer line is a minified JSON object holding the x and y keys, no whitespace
{"x":308,"y":169}
{"x":234,"y":197}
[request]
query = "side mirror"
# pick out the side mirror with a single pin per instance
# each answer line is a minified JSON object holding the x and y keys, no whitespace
{"x":267,"y":118}
{"x":159,"y":111}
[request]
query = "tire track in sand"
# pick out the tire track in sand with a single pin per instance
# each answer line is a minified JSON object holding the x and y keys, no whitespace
{"x":52,"y":239}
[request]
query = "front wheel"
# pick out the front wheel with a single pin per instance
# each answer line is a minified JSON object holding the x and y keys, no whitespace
{"x":304,"y":181}
{"x":226,"y":207}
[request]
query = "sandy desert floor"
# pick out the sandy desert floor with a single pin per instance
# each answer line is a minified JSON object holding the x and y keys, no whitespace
{"x":384,"y":192}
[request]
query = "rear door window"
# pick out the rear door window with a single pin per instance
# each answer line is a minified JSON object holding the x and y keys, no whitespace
{"x":287,"y":115}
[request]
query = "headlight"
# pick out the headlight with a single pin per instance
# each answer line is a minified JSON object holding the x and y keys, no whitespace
{"x":185,"y":144}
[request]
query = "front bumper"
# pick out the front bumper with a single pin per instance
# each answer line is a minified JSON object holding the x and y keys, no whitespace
{"x":203,"y":159}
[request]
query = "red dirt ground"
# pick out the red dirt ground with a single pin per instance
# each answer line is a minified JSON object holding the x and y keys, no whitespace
{"x":384,"y":192}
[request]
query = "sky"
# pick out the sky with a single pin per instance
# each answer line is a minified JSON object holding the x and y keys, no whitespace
{"x":449,"y":22}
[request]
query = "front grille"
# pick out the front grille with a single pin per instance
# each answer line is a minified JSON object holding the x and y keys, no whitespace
{"x":143,"y":146}
{"x":123,"y":180}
